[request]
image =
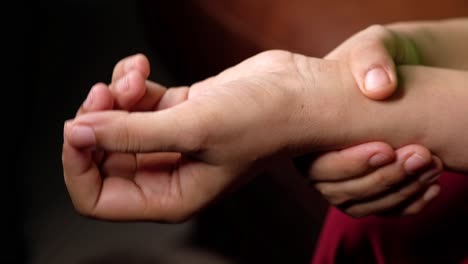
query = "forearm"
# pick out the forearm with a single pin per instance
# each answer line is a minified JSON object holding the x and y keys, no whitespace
{"x":439,"y":43}
{"x":430,"y":108}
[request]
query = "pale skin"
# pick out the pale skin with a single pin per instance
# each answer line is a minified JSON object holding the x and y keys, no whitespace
{"x":360,"y":161}
{"x":374,"y":52}
{"x":212,"y":149}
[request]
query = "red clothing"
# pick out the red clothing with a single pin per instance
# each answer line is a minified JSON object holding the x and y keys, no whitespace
{"x":439,"y":234}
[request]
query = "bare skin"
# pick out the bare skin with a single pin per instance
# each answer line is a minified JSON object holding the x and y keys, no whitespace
{"x":372,"y":56}
{"x":217,"y":131}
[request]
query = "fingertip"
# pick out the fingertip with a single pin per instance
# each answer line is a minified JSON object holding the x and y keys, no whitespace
{"x":379,"y":159}
{"x":417,"y":158}
{"x":129,"y":89}
{"x":350,"y":162}
{"x":429,"y":195}
{"x":103,"y":97}
{"x":381,"y":153}
{"x":79,"y":136}
{"x":432,"y":192}
{"x":89,"y":101}
{"x":437,"y":162}
{"x":138,"y":62}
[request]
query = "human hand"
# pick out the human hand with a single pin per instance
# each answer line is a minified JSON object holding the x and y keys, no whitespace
{"x":372,"y":178}
{"x":187,"y":147}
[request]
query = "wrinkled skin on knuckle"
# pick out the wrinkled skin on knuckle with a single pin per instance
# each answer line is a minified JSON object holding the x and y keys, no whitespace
{"x":123,"y":138}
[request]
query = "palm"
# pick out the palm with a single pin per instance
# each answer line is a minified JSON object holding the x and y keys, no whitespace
{"x":139,"y":182}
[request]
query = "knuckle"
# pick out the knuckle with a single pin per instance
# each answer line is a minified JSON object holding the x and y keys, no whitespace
{"x":199,"y":133}
{"x":377,"y":31}
{"x":129,"y":137}
{"x":371,"y":39}
{"x":273,"y":60}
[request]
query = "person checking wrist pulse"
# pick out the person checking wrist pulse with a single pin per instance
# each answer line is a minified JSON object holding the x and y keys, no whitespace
{"x":138,"y":151}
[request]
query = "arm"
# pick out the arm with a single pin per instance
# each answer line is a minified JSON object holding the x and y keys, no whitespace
{"x":273,"y":105}
{"x":439,"y":43}
{"x":372,"y":55}
{"x":430,"y":109}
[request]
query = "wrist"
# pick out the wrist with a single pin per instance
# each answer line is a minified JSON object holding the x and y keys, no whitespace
{"x":320,"y":118}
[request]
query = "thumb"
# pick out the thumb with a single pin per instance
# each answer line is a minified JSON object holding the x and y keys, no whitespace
{"x":373,"y":60}
{"x":176,"y":129}
{"x":373,"y":68}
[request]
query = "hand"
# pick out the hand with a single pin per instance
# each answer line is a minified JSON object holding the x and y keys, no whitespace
{"x":372,"y":178}
{"x":372,"y":55}
{"x":178,"y":153}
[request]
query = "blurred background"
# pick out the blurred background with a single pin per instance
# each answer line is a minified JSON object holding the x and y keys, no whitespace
{"x":274,"y":219}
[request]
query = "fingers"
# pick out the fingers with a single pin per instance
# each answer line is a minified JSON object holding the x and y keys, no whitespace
{"x":179,"y":129}
{"x":137,"y":62}
{"x":129,"y":91}
{"x":374,"y":70}
{"x":130,"y":87}
{"x":81,"y":177}
{"x":417,"y":203}
{"x":351,"y":162}
{"x":383,"y":179}
{"x":394,"y":199}
{"x":372,"y":55}
{"x":99,"y":98}
{"x":388,"y":187}
{"x":422,"y":201}
{"x":372,"y":64}
{"x":112,"y":198}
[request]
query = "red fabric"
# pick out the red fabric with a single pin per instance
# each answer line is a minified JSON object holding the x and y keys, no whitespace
{"x":439,"y":234}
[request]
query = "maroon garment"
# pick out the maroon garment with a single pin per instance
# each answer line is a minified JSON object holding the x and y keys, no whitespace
{"x":439,"y":234}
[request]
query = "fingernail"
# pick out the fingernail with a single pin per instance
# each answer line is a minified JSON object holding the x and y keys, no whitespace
{"x":430,"y":176}
{"x":379,"y":160}
{"x":121,"y":85}
{"x":431,"y":193}
{"x":89,"y":100}
{"x":83,"y":136}
{"x":376,"y":79}
{"x":414,"y":163}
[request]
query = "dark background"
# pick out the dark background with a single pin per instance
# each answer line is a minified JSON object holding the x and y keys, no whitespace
{"x":60,"y":49}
